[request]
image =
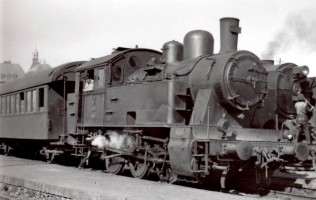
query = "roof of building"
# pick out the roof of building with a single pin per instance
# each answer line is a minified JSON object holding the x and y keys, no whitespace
{"x":38,"y":68}
{"x":10,"y":71}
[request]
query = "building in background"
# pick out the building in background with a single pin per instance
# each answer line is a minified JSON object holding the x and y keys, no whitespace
{"x":37,"y":66}
{"x":10,"y":71}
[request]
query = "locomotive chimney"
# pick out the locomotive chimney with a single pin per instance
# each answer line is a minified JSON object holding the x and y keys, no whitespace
{"x":229,"y":34}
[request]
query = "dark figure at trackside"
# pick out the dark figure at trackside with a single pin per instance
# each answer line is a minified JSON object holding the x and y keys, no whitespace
{"x":303,"y":107}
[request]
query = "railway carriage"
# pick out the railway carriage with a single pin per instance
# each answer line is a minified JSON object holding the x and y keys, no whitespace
{"x":33,"y":107}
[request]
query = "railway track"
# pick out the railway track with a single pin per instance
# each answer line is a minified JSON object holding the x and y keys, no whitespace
{"x":295,"y":185}
{"x":289,"y":186}
{"x":289,"y":195}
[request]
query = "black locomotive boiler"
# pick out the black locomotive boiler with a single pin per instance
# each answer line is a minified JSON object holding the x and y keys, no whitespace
{"x":187,"y":112}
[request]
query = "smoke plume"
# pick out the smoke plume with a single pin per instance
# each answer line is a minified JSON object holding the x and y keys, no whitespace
{"x":114,"y":140}
{"x":298,"y":32}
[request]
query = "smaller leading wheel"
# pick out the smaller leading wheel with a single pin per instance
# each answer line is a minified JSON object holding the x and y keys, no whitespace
{"x":168,"y":176}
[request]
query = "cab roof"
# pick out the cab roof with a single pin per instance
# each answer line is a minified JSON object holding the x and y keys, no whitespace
{"x":117,"y":54}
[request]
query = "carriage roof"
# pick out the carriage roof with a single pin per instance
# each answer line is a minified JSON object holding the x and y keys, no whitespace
{"x":40,"y":78}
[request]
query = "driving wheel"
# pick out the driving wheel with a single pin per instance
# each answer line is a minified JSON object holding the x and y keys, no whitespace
{"x":115,"y":165}
{"x":139,"y":169}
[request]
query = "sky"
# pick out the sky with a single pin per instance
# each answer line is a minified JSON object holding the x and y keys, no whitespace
{"x":65,"y":31}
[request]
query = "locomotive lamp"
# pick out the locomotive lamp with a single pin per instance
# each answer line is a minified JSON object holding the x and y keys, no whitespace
{"x":300,"y":71}
{"x":290,"y":130}
{"x":289,"y":136}
{"x":296,"y":89}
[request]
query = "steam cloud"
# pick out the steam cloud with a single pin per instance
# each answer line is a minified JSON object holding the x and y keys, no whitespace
{"x":298,"y":32}
{"x":114,"y":140}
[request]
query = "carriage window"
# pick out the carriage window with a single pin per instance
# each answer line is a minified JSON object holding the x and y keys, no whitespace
{"x":4,"y":108}
{"x":2,"y":102}
{"x":28,"y":101}
{"x":17,"y":103}
{"x":41,"y":99}
{"x":12,"y":104}
{"x":100,"y":78}
{"x":3,"y":105}
{"x":8,"y":105}
{"x":22,"y":101}
{"x":34,"y":100}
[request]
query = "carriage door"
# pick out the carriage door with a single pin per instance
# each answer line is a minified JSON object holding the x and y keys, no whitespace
{"x":93,"y":97}
{"x":57,"y":117}
{"x":56,"y":108}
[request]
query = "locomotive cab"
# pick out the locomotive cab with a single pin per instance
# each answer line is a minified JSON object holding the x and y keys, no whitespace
{"x":106,"y":104}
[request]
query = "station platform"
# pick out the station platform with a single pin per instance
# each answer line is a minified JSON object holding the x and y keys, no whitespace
{"x":84,"y":184}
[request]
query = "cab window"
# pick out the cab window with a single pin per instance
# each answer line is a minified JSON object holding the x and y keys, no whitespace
{"x":88,"y":79}
{"x":117,"y":74}
{"x":100,"y":78}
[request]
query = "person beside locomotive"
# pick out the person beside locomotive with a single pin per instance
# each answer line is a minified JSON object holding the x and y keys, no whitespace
{"x":303,"y":107}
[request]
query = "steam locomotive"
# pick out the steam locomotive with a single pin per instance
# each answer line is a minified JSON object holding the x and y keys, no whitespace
{"x":184,"y":113}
